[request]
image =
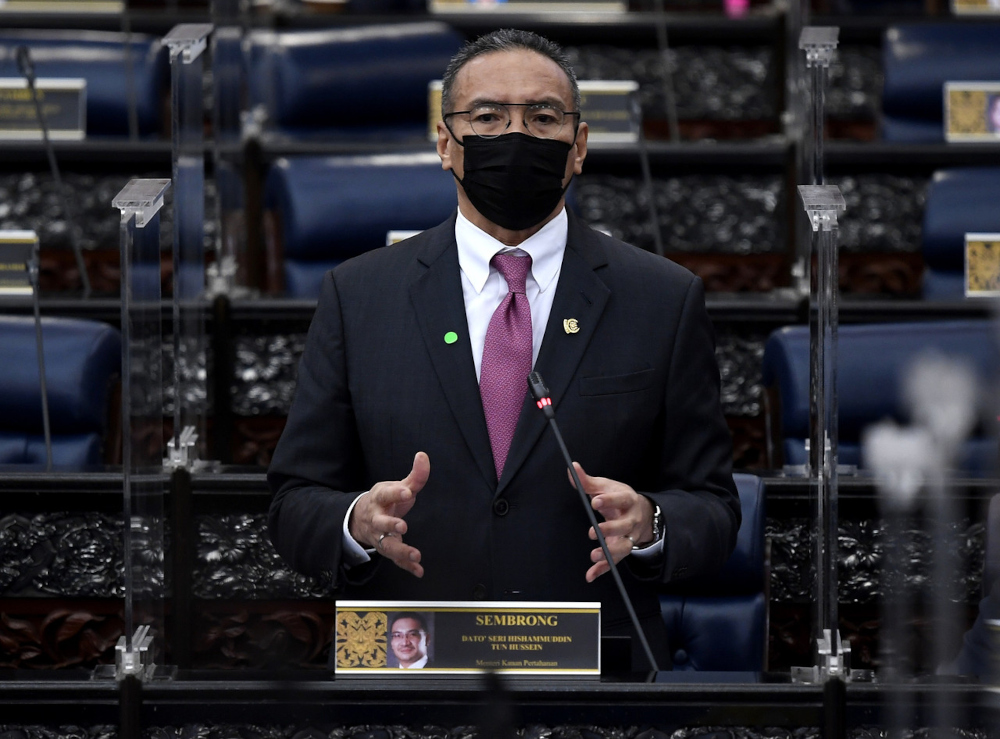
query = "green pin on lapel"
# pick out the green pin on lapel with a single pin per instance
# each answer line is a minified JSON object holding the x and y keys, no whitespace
{"x":450,"y":338}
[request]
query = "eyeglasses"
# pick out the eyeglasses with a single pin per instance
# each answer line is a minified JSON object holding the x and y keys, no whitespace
{"x":412,"y":634}
{"x":541,"y":120}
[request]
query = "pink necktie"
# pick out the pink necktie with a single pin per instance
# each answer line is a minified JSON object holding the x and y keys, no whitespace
{"x":506,"y":357}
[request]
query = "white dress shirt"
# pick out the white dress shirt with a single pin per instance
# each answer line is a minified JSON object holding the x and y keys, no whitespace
{"x":484,"y":288}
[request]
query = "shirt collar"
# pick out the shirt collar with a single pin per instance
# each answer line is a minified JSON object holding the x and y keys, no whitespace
{"x":476,"y":248}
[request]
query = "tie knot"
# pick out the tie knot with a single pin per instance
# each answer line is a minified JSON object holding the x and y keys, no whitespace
{"x":514,"y":270}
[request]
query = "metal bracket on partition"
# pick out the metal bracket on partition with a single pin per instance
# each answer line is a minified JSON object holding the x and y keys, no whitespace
{"x":253,"y":122}
{"x":221,"y":278}
{"x":138,"y":660}
{"x":834,"y":661}
{"x":144,"y":198}
{"x":183,"y":456}
{"x":819,"y":43}
{"x":823,"y":203}
{"x":188,"y":39}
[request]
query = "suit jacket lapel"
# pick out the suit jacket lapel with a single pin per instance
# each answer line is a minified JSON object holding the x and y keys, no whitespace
{"x":582,"y":295}
{"x":436,"y":294}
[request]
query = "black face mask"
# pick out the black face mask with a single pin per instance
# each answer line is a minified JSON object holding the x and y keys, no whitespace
{"x":514,"y":180}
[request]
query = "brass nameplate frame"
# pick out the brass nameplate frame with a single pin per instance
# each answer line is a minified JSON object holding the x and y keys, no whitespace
{"x":63,"y":102}
{"x":18,"y":251}
{"x":975,"y":7}
{"x":378,"y":638}
{"x":972,"y":112}
{"x":62,"y":6}
{"x":554,"y":7}
{"x":604,"y":106}
{"x":982,"y":265}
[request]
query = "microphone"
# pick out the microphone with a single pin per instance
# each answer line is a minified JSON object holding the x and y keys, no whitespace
{"x":540,"y":392}
{"x":25,"y":64}
{"x":27,"y":67}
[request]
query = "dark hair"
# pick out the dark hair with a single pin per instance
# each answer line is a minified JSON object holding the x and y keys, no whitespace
{"x":506,"y":39}
{"x":410,"y":615}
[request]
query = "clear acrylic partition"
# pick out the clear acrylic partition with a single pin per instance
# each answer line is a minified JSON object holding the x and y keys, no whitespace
{"x":228,"y":274}
{"x":822,"y":204}
{"x":807,"y":102}
{"x":819,"y":44}
{"x":186,"y":42}
{"x":142,"y":422}
{"x":794,"y":125}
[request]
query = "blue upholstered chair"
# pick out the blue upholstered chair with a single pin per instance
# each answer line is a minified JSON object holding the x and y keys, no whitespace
{"x":871,"y":363}
{"x":321,"y":211}
{"x":959,"y":201}
{"x":918,"y":59}
{"x":99,"y":58}
{"x":720,"y":624}
{"x":359,"y":84}
{"x":82,"y":366}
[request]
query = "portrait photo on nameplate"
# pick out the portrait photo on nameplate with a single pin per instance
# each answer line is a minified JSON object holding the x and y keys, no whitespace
{"x":408,"y":638}
{"x":982,"y":265}
{"x":18,"y":249}
{"x":972,"y":112}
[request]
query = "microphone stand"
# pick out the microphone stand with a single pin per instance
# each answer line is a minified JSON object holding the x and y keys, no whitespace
{"x":540,"y":392}
{"x":27,"y":68}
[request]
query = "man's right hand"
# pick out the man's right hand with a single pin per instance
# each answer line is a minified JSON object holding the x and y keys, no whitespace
{"x":377,"y":519}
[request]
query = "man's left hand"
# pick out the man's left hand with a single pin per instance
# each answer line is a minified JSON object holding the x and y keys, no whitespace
{"x":628,"y":519}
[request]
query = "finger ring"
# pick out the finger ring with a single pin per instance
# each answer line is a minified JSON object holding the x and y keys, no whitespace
{"x":381,"y":537}
{"x":630,"y":539}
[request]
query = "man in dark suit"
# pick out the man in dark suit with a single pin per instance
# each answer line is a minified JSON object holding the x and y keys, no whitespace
{"x":418,"y":354}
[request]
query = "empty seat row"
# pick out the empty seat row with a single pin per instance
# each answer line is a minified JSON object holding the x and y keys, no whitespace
{"x":322,"y":210}
{"x":369,"y":83}
{"x":872,"y":363}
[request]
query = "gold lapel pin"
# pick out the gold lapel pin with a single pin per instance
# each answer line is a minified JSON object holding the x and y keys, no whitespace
{"x":571,"y":326}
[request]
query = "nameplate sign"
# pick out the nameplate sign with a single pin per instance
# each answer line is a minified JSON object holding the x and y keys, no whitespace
{"x":528,"y":6}
{"x":438,"y":637}
{"x":604,"y":106}
{"x":975,"y":7}
{"x":394,"y":237}
{"x":972,"y":111}
{"x":63,"y":103}
{"x":62,"y":6}
{"x":18,"y":251}
{"x":982,"y":265}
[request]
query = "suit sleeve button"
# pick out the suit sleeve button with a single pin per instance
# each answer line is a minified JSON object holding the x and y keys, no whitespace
{"x":501,"y":506}
{"x":479,"y":592}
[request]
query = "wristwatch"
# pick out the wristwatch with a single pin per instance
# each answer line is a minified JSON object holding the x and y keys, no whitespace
{"x":657,"y":528}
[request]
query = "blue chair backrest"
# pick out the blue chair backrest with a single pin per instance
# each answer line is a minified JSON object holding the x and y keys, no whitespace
{"x":871,"y":362}
{"x":328,"y":209}
{"x":959,"y":201}
{"x":720,"y":623}
{"x":82,"y":362}
{"x":367,"y":83}
{"x":99,"y":57}
{"x":918,"y":59}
